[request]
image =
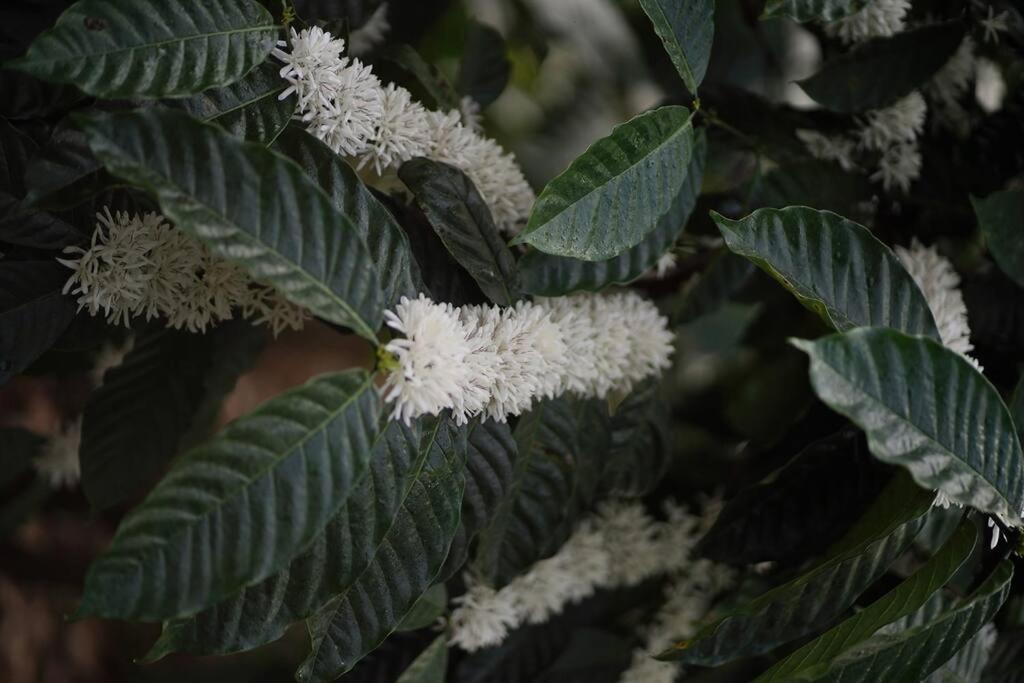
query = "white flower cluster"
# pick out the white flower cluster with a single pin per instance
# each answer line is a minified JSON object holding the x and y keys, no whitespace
{"x":58,"y":461}
{"x":890,"y":134}
{"x":139,"y":265}
{"x":486,"y":360}
{"x":950,"y":84}
{"x":371,"y":33}
{"x":879,"y":19}
{"x":347,"y":107}
{"x":940,"y":284}
{"x":620,"y":546}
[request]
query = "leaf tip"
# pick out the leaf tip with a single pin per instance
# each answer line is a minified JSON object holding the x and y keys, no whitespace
{"x":805,"y":345}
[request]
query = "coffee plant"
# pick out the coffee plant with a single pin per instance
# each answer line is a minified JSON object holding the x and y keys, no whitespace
{"x":684,"y":339}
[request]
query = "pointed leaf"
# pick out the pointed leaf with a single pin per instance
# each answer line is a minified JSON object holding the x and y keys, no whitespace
{"x":834,"y":266}
{"x":813,"y":600}
{"x":686,"y":28}
{"x":927,"y":409}
{"x":234,"y":511}
{"x":1001,"y":219}
{"x":880,"y":71}
{"x":151,"y":48}
{"x":613,"y":195}
{"x":33,"y":312}
{"x":431,"y":666}
{"x":248,"y":204}
{"x":812,"y":10}
{"x":462,"y":220}
{"x":549,"y":275}
{"x":406,"y":564}
{"x":484,"y":70}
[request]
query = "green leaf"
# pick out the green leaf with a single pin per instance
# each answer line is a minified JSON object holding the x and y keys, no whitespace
{"x":64,"y":173}
{"x":431,"y":666}
{"x":798,"y":509}
{"x":686,"y":30}
{"x":427,"y":609}
{"x":249,"y":108}
{"x":405,"y":566}
{"x":33,"y":311}
{"x":814,"y":599}
{"x":639,"y":453}
{"x":400,"y":470}
{"x":484,"y":69}
{"x":136,"y":421}
{"x":927,"y":409}
{"x":23,"y":226}
{"x":817,"y":183}
{"x":835,"y":267}
{"x":613,"y":195}
{"x":812,"y":10}
{"x":248,"y":204}
{"x":900,"y":602}
{"x":236,"y":510}
{"x":880,"y":71}
{"x":16,"y":149}
{"x":463,"y":221}
{"x":1001,"y":219}
{"x":429,"y":84}
{"x":549,"y":275}
{"x":530,"y":521}
{"x":969,"y":663}
{"x":913,"y":654}
{"x":387,"y":242}
{"x":721,"y":280}
{"x":151,"y":48}
{"x":30,"y":98}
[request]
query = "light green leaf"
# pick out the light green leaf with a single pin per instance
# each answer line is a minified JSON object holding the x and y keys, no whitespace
{"x":237,"y":509}
{"x":550,"y":275}
{"x":814,"y":599}
{"x":431,"y":665}
{"x":812,"y":10}
{"x":927,"y":409}
{"x":686,"y":29}
{"x":1001,"y":219}
{"x":248,"y":204}
{"x":613,"y":195}
{"x":900,"y":602}
{"x":151,"y":48}
{"x":834,"y":266}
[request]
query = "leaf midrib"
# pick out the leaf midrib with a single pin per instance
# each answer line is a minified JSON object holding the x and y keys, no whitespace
{"x":685,"y":58}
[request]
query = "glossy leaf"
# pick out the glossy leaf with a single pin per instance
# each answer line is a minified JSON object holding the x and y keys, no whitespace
{"x":33,"y":311}
{"x":834,"y":266}
{"x":550,"y":275}
{"x":613,"y":195}
{"x":430,"y":606}
{"x":814,"y":599}
{"x":236,"y":510}
{"x":686,"y":30}
{"x":484,"y":70}
{"x":359,"y":619}
{"x":151,"y":48}
{"x":387,"y":242}
{"x":927,"y":409}
{"x":249,"y":108}
{"x":880,"y":71}
{"x":462,"y":219}
{"x":812,"y":10}
{"x":1001,"y":219}
{"x":248,"y":204}
{"x":431,"y":666}
{"x":902,"y":601}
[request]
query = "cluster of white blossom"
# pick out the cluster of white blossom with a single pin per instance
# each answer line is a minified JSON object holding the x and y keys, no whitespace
{"x":347,"y":107}
{"x":948,"y":87}
{"x":880,"y":18}
{"x":371,"y":33}
{"x":621,"y":545}
{"x":492,"y":361}
{"x":57,"y":461}
{"x":139,"y":265}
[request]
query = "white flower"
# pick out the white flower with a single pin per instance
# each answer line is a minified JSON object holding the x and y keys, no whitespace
{"x":940,"y":284}
{"x":899,"y":166}
{"x":899,"y":122}
{"x":58,"y":462}
{"x":828,"y":148}
{"x":109,"y":357}
{"x":371,"y":33}
{"x":347,"y":120}
{"x":989,"y":86}
{"x":994,"y":24}
{"x":268,"y":306}
{"x":879,"y":18}
{"x":632,"y":535}
{"x":403,"y":131}
{"x":645,"y":669}
{"x":470,"y":112}
{"x":666,"y":263}
{"x":311,"y":65}
{"x":949,"y":85}
{"x":483,"y":616}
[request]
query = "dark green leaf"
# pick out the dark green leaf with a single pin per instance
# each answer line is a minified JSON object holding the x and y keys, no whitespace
{"x":835,"y":267}
{"x":879,"y":72}
{"x":427,"y":609}
{"x":384,"y":237}
{"x":359,"y":619}
{"x":151,"y":48}
{"x":428,"y":79}
{"x":33,"y":311}
{"x":431,"y":666}
{"x":613,"y":195}
{"x":16,"y":149}
{"x":902,"y":601}
{"x":549,"y":275}
{"x":236,"y":510}
{"x":927,"y":409}
{"x":708,"y":292}
{"x":686,"y":28}
{"x":812,"y":10}
{"x":1001,"y":219}
{"x":248,"y":204}
{"x":484,"y":69}
{"x":639,"y":454}
{"x":249,"y":108}
{"x":821,"y":184}
{"x":813,"y":600}
{"x":798,"y":509}
{"x":64,"y":173}
{"x":27,"y":97}
{"x":23,"y":226}
{"x":463,"y":221}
